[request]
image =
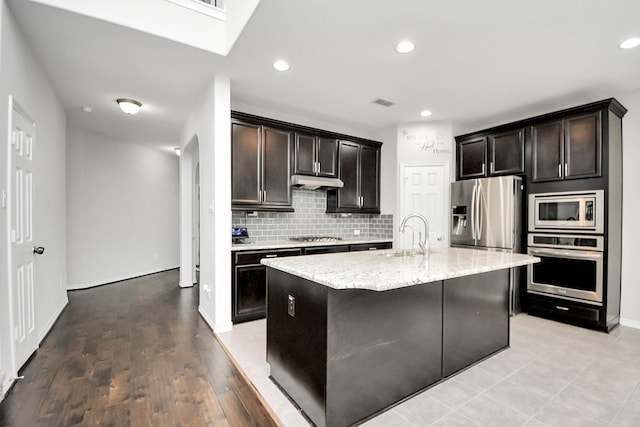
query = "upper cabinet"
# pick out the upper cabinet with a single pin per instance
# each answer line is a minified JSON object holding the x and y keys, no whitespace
{"x":260,"y":167}
{"x":570,"y":148}
{"x":359,"y":169}
{"x":472,"y":158}
{"x":265,"y":153}
{"x":315,"y":155}
{"x":491,"y":155}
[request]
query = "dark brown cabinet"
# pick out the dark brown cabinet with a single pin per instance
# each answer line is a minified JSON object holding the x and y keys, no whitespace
{"x":261,"y":158}
{"x":506,"y":153}
{"x":359,"y":169}
{"x":570,"y":148}
{"x":472,"y":158}
{"x":491,"y":155}
{"x":249,"y":282}
{"x":315,"y":155}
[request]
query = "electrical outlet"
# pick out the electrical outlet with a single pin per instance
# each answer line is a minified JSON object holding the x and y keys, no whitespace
{"x":207,"y":290}
{"x":356,"y":232}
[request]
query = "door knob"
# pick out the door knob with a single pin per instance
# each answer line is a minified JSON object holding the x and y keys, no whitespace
{"x":38,"y":250}
{"x":439,"y":238}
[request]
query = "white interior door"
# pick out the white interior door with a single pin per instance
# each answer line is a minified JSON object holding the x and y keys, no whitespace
{"x":22,"y":254}
{"x":424,"y":190}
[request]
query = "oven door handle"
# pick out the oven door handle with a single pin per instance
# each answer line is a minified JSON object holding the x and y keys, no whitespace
{"x":566,"y":254}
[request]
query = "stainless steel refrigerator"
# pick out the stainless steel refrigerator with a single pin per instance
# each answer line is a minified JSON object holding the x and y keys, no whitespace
{"x":486,"y":213}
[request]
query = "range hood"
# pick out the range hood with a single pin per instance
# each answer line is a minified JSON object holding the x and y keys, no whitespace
{"x":315,"y":182}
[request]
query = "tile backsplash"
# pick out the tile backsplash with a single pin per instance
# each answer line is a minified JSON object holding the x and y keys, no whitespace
{"x":310,"y":219}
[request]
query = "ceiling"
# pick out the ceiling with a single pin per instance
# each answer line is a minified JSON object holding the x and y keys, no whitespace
{"x":475,"y":63}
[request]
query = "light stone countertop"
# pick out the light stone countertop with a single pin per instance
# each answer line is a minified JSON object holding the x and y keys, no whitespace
{"x":377,"y":271}
{"x":284,"y":244}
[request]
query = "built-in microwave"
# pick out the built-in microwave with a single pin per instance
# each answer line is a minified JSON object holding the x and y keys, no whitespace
{"x":572,"y":211}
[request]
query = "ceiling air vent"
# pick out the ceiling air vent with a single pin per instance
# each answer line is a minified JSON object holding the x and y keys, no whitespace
{"x":383,"y":102}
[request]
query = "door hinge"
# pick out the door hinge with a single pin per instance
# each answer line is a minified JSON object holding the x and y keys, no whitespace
{"x":14,"y":137}
{"x":4,"y":199}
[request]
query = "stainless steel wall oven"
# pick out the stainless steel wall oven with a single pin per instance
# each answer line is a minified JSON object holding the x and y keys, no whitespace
{"x":572,"y":267}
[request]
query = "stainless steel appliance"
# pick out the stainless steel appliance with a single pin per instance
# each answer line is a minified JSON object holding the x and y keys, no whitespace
{"x":486,"y":213}
{"x":572,"y":267}
{"x":571,"y":211}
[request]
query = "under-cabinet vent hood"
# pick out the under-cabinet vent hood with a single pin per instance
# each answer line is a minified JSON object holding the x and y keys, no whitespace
{"x":315,"y":182}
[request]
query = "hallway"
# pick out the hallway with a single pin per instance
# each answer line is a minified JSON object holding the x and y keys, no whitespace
{"x":132,"y":353}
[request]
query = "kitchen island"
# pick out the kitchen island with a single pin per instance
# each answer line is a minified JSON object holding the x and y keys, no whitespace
{"x":349,"y":335}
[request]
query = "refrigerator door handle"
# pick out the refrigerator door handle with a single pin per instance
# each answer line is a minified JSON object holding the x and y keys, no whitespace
{"x":479,"y":210}
{"x":473,"y":211}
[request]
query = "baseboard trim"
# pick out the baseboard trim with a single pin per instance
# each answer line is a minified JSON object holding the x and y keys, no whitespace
{"x":116,"y":279}
{"x":226,"y":327}
{"x":43,"y":334}
{"x":630,"y":323}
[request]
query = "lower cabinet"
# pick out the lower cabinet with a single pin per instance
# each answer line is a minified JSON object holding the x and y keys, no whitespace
{"x":249,"y":279}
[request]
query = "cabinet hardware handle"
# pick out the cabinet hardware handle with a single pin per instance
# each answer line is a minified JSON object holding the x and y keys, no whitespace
{"x":566,"y":169}
{"x":559,"y":170}
{"x":272,"y":256}
{"x":483,"y":169}
{"x":491,"y":169}
{"x":559,"y":307}
{"x":264,"y":196}
{"x":373,"y":249}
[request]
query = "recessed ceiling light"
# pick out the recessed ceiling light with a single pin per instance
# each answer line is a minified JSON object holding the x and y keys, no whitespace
{"x":129,"y":106}
{"x":630,"y":43}
{"x":87,"y":109}
{"x":425,"y":113}
{"x":405,"y":46}
{"x":281,"y":65}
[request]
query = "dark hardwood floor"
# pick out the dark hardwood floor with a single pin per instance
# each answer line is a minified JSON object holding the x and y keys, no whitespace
{"x":132,"y":353}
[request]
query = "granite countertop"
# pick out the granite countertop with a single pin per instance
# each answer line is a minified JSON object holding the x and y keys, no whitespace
{"x":380,"y":271}
{"x":283,"y":244}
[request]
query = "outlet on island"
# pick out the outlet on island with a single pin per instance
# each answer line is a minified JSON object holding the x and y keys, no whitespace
{"x":356,"y":232}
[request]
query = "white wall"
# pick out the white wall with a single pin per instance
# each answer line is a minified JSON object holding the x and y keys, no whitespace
{"x":22,"y":77}
{"x":209,"y":127}
{"x":630,"y":307}
{"x":122,"y":209}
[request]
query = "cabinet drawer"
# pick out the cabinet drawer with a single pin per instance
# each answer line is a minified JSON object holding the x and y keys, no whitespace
{"x":254,"y":257}
{"x":567,"y":309}
{"x":370,"y":246}
{"x":326,"y":249}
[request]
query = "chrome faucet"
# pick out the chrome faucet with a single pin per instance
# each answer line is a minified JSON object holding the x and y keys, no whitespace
{"x":424,"y":243}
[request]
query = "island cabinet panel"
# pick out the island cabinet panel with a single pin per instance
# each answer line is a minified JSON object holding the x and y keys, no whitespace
{"x":476,"y":319}
{"x":383,"y":348}
{"x":343,"y":355}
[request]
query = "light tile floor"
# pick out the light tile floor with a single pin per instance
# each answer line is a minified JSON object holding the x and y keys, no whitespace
{"x":552,"y":375}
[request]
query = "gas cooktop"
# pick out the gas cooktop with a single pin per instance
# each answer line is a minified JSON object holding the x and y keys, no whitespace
{"x":315,"y":239}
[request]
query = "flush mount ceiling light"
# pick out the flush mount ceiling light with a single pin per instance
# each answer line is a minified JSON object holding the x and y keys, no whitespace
{"x":425,"y":113}
{"x":129,"y":106}
{"x":405,"y":46}
{"x":281,"y":65}
{"x":630,"y":43}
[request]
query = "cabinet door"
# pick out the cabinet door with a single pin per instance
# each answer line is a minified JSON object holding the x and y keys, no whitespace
{"x":249,"y":292}
{"x":547,"y":151}
{"x":327,"y":149}
{"x":583,"y":146}
{"x":472,"y":158}
{"x":369,"y":178}
{"x":348,"y":166}
{"x":276,"y":167}
{"x":245,"y":163}
{"x":506,"y":153}
{"x":305,"y":154}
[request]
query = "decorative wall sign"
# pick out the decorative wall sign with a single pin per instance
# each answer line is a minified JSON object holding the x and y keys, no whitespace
{"x":425,"y":142}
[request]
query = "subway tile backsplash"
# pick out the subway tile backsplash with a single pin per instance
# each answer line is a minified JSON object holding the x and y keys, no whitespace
{"x":310,"y":219}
